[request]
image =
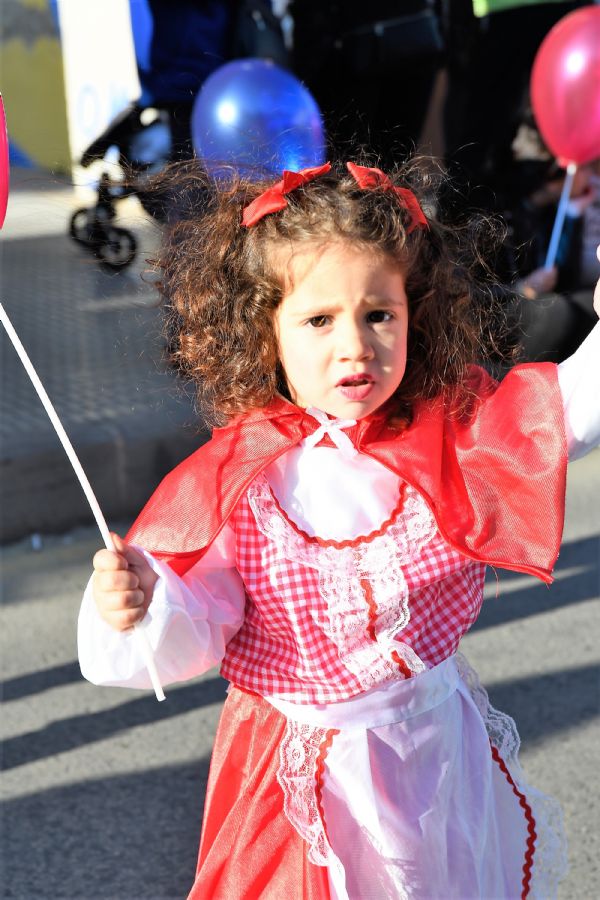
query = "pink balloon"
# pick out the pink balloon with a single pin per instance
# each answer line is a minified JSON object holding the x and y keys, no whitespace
{"x":4,"y":170}
{"x":565,"y":87}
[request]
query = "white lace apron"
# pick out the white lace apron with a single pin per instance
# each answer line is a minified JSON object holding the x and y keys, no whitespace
{"x":413,"y":790}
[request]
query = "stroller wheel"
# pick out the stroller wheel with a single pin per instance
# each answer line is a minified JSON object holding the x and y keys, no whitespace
{"x":118,"y":249}
{"x":79,"y":226}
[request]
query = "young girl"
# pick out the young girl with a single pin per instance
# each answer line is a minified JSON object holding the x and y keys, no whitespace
{"x":327,"y":547}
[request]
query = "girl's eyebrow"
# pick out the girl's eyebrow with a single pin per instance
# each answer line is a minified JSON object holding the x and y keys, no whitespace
{"x":376,"y":300}
{"x":320,"y":307}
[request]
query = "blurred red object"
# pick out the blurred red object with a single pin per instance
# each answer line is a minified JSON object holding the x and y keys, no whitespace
{"x":4,"y":168}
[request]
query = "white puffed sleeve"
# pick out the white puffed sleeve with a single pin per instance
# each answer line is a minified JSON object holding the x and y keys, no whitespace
{"x":579,"y":380}
{"x":188,"y":624}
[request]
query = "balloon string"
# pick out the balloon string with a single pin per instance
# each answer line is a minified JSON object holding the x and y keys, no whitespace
{"x":559,"y":219}
{"x":141,"y":637}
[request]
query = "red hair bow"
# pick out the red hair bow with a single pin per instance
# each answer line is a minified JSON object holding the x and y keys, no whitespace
{"x":273,"y":199}
{"x":368,"y":178}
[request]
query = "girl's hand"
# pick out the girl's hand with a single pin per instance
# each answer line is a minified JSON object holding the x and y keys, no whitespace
{"x":540,"y":281}
{"x":122,"y":584}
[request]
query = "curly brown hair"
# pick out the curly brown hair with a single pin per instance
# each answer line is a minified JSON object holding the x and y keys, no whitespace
{"x":221,"y":282}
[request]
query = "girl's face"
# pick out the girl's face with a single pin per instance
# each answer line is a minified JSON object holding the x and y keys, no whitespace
{"x":341,"y":330}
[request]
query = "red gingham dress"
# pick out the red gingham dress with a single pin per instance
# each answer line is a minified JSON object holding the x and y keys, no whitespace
{"x":326,"y":620}
{"x":291,"y":803}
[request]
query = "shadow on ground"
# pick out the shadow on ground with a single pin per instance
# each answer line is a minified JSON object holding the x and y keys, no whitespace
{"x":131,"y":837}
{"x":76,"y":731}
{"x":579,"y":560}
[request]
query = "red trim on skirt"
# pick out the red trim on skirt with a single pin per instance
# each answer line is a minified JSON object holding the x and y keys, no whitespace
{"x":531,"y":826}
{"x":248,"y":848}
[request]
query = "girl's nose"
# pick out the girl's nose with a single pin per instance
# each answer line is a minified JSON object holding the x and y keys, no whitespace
{"x":354,"y":343}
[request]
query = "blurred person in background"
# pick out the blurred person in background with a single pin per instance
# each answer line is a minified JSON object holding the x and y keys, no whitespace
{"x":491,"y":46}
{"x":189,"y":40}
{"x":557,"y":307}
{"x":371,"y":68}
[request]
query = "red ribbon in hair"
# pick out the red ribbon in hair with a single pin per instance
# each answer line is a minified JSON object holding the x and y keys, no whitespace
{"x":273,"y":199}
{"x":369,"y":178}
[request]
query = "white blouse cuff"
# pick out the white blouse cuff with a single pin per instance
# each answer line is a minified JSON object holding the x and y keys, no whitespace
{"x":579,"y":380}
{"x":188,"y":625}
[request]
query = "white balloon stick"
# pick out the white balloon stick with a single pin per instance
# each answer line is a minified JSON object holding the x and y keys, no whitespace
{"x":139,"y":629}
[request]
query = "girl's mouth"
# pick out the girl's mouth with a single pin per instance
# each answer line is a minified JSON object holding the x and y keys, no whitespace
{"x":356,"y":387}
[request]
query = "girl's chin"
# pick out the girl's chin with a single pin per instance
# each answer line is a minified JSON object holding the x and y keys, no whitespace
{"x":345,"y":409}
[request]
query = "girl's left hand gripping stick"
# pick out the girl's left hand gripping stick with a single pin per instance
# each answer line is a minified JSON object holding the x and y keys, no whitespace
{"x":139,"y":632}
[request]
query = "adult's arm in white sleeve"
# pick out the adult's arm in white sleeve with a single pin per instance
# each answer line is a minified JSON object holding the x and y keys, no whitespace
{"x":579,"y":380}
{"x":189,"y":623}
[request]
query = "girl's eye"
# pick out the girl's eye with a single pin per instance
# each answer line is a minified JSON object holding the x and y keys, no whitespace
{"x":379,"y":315}
{"x":318,"y":321}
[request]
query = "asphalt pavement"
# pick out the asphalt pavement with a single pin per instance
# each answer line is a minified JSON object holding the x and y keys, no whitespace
{"x":93,"y":335}
{"x":103,"y":788}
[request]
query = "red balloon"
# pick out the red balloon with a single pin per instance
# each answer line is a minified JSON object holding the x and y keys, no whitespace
{"x":4,"y":170}
{"x":565,"y":87}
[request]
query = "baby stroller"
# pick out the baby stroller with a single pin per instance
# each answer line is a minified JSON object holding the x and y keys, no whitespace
{"x":143,"y":139}
{"x":189,"y":41}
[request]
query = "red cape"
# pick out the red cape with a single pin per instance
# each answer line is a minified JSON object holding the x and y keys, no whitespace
{"x":495,"y":480}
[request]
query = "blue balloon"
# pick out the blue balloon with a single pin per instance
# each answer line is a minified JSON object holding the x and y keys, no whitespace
{"x":253,"y":115}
